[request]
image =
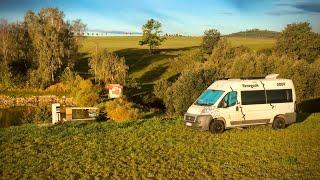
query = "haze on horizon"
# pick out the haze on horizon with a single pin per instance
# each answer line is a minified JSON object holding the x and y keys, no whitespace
{"x":188,"y":18}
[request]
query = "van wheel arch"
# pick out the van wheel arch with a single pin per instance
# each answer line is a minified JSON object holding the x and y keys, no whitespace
{"x":279,"y":122}
{"x":279,"y":116}
{"x":217,"y":123}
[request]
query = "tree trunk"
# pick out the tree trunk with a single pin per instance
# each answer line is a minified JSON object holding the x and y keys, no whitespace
{"x":52,"y":77}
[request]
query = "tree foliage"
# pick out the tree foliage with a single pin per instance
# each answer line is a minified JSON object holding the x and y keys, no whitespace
{"x":151,"y":34}
{"x":108,"y":67}
{"x":236,"y":62}
{"x":187,"y":88}
{"x":39,"y":48}
{"x":298,"y":40}
{"x":209,"y":39}
{"x":78,"y":27}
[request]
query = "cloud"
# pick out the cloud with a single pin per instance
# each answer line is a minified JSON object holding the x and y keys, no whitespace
{"x":294,"y":8}
{"x":225,"y":13}
{"x":284,"y":12}
{"x":313,"y":7}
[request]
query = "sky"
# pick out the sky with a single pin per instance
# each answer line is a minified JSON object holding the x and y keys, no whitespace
{"x":187,"y":17}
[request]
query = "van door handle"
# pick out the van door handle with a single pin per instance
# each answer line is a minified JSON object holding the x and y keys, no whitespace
{"x":237,"y":108}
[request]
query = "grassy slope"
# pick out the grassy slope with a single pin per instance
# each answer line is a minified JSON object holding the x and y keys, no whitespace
{"x":146,"y":68}
{"x":161,"y":149}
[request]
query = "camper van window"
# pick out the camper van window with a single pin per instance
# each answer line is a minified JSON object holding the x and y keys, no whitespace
{"x":253,"y":97}
{"x":229,"y":100}
{"x":279,"y":96}
{"x":232,"y":98}
{"x":209,"y":97}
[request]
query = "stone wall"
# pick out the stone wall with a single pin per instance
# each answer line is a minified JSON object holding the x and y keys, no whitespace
{"x":7,"y":101}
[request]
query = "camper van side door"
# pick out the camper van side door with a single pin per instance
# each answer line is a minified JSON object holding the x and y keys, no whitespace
{"x":254,"y":107}
{"x":229,"y":108}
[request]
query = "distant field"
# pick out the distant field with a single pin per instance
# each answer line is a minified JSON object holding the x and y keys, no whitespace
{"x":160,"y":149}
{"x":148,"y":68}
{"x":117,"y":43}
{"x":121,"y":42}
{"x":253,"y":43}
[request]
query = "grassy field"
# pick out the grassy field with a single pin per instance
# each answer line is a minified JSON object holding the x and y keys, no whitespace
{"x":148,"y":68}
{"x":160,"y":148}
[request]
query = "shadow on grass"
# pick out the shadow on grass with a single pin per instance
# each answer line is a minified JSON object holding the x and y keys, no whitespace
{"x":307,"y":108}
{"x":138,"y":59}
{"x":154,"y":73}
{"x":302,"y":117}
{"x":82,"y":65}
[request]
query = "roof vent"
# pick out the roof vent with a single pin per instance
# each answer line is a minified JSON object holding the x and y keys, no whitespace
{"x":272,"y":76}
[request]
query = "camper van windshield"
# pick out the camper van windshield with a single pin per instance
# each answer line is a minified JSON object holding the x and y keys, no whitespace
{"x":209,"y":97}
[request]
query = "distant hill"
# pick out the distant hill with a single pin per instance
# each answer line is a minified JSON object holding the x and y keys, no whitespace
{"x":255,"y":33}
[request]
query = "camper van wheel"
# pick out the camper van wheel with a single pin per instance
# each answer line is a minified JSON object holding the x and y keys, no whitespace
{"x":216,"y":126}
{"x":279,"y":123}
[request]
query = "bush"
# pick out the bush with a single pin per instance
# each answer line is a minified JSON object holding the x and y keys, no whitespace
{"x":121,"y":110}
{"x":188,"y":87}
{"x":209,"y":40}
{"x":59,"y":88}
{"x":84,"y":92}
{"x":160,"y":88}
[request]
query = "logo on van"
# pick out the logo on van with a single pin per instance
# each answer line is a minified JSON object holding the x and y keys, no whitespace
{"x":250,"y":85}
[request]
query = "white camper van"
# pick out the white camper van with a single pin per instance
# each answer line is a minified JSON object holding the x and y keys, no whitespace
{"x":231,"y":103}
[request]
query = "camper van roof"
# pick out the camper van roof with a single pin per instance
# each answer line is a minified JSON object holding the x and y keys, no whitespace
{"x":270,"y":81}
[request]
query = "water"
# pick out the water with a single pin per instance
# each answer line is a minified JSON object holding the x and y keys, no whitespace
{"x":14,"y":116}
{"x":18,"y":115}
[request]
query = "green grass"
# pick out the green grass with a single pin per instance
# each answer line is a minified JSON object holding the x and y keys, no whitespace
{"x":146,"y":68}
{"x":253,"y":43}
{"x":156,"y":148}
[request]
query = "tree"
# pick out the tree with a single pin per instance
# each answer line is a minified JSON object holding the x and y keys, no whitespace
{"x":5,"y":44}
{"x":297,"y":39}
{"x":78,"y":27}
{"x":151,"y":34}
{"x":54,"y":44}
{"x":108,"y":68}
{"x":209,"y":40}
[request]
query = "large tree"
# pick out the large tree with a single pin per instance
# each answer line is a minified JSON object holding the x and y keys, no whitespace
{"x":5,"y":44}
{"x":108,"y":68}
{"x":299,"y":40}
{"x":151,"y":34}
{"x":209,"y":40}
{"x":53,"y":42}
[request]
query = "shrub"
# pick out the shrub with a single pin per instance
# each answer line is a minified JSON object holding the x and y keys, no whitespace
{"x":121,"y":110}
{"x":160,"y":88}
{"x":188,"y":87}
{"x":84,"y":92}
{"x":58,"y":88}
{"x":209,"y":40}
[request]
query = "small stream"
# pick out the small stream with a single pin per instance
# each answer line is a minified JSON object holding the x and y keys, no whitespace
{"x":15,"y":116}
{"x":18,"y":115}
